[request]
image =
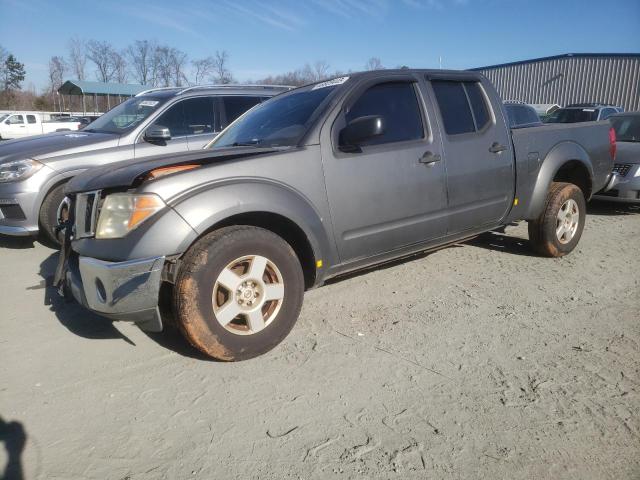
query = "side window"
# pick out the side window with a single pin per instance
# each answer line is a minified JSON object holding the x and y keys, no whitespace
{"x":454,"y":107}
{"x":16,"y":119}
{"x":236,"y":106}
{"x":606,"y":113}
{"x":532,"y":115}
{"x":397,"y":103}
{"x":198,"y":113}
{"x":173,"y":119}
{"x":31,"y":119}
{"x":478,"y":104}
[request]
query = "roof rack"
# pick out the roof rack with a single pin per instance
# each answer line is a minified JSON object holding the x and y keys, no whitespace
{"x":591,"y":104}
{"x":235,"y":85}
{"x":514,"y":102}
{"x":157,"y":89}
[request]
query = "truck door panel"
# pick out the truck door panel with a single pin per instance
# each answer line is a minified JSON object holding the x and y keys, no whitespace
{"x":479,"y":156}
{"x":388,"y":195}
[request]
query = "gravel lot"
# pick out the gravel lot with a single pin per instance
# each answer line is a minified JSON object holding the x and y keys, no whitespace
{"x":476,"y":361}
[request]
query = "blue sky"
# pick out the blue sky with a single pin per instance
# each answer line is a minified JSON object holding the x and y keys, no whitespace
{"x":266,"y":37}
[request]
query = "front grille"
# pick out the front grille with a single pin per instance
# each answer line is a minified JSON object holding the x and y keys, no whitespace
{"x":86,"y":214}
{"x":622,"y":169}
{"x":12,"y":212}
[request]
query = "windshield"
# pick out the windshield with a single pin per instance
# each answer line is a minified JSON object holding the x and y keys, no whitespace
{"x":627,"y":128}
{"x":573,"y":115}
{"x":126,"y":116}
{"x":3,"y":116}
{"x":282,"y":121}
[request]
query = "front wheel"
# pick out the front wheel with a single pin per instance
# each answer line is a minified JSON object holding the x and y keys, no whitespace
{"x":558,"y":229}
{"x":54,"y":210}
{"x":238,"y":292}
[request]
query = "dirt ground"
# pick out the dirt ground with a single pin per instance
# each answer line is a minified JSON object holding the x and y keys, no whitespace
{"x":478,"y":361}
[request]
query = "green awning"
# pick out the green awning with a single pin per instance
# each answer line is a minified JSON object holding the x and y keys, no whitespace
{"x":80,"y":87}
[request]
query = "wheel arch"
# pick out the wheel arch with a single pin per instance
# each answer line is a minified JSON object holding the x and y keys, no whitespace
{"x":278,"y":209}
{"x":566,"y":162}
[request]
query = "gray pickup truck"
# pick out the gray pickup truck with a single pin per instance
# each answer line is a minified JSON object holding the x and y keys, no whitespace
{"x":317,"y":182}
{"x":34,"y":170}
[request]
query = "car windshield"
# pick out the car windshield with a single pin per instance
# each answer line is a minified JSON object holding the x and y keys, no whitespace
{"x":573,"y":115}
{"x":3,"y":116}
{"x":126,"y":116}
{"x":627,"y":128}
{"x":279,"y":122}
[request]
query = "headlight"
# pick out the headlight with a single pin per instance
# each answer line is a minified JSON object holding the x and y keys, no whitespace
{"x":122,"y":212}
{"x":18,"y":170}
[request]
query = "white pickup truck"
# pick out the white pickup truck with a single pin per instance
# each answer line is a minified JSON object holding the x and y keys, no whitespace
{"x":25,"y":124}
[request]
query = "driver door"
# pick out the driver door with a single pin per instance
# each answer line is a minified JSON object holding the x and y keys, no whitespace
{"x":174,"y":119}
{"x":16,"y":126}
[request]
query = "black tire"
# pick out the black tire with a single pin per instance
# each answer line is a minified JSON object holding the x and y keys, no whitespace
{"x":196,"y":280}
{"x":48,"y":217}
{"x":542,"y":231}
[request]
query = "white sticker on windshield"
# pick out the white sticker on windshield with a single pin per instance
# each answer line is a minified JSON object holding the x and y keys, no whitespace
{"x":331,"y":83}
{"x":76,"y":135}
{"x":148,"y":103}
{"x":588,"y":109}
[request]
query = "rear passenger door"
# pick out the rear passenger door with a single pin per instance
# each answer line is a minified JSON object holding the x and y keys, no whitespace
{"x":478,"y":153}
{"x":231,"y":107}
{"x":390,"y":193}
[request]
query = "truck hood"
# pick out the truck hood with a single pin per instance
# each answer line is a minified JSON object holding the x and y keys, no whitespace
{"x":627,"y":152}
{"x":129,"y":172}
{"x":45,"y":148}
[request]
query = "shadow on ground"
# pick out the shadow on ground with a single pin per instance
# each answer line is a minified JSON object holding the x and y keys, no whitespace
{"x":14,"y":437}
{"x":598,"y":207}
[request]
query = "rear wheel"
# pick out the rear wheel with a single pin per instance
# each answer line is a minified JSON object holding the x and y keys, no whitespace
{"x":54,"y":209}
{"x":238,"y":292}
{"x":558,"y":229}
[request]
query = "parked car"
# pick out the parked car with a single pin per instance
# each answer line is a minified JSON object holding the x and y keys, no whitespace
{"x":583,"y":112}
{"x":544,"y":109}
{"x":521,"y":115}
{"x":33,"y":171}
{"x":317,"y":182}
{"x":19,"y":125}
{"x":627,"y":166}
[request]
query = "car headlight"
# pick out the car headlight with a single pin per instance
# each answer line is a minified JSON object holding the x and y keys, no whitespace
{"x":123,"y":212}
{"x":18,"y":170}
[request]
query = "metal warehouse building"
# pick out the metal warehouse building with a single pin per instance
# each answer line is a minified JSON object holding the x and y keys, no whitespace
{"x":571,"y":78}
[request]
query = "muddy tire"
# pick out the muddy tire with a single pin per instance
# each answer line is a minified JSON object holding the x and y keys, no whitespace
{"x":558,"y":229}
{"x":238,"y":292}
{"x":48,"y":216}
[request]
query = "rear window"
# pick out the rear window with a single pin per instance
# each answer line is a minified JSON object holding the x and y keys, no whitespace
{"x":236,"y":106}
{"x":478,"y":104}
{"x":573,"y":115}
{"x":31,"y":119}
{"x":454,"y":107}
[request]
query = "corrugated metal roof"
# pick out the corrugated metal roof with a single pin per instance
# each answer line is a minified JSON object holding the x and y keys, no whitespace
{"x":556,"y":57}
{"x":565,"y":79}
{"x":78,"y":87}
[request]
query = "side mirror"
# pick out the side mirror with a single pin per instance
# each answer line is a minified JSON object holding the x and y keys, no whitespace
{"x":157,"y":133}
{"x":360,"y":130}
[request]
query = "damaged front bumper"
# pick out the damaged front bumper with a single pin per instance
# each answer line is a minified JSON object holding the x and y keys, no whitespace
{"x":126,"y":290}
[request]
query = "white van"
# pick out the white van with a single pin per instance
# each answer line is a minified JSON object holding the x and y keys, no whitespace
{"x":25,"y":124}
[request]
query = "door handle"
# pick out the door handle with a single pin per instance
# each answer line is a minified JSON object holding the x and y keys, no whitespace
{"x":429,"y":158}
{"x":496,"y":148}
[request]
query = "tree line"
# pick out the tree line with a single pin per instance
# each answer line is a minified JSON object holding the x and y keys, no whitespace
{"x":145,"y":62}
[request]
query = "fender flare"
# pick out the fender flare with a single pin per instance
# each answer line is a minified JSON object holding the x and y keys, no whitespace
{"x":559,"y":155}
{"x":242,"y":196}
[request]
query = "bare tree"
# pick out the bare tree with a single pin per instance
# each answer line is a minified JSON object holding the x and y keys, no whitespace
{"x":119,"y":66}
{"x":204,"y":69}
{"x":140,"y":55}
{"x":78,"y":57}
{"x":373,"y":63}
{"x":101,"y":54}
{"x":162,"y":67}
{"x":57,"y":68}
{"x":222,"y":74}
{"x":178,"y":61}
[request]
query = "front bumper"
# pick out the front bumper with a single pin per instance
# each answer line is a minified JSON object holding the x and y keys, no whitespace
{"x":126,"y":291}
{"x":625,"y":190}
{"x":16,"y":213}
